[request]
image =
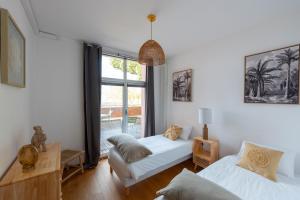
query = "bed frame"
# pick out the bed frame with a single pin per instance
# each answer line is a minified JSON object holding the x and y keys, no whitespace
{"x":127,"y":182}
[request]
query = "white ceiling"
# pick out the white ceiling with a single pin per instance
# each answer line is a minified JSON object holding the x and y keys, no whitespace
{"x":181,"y":24}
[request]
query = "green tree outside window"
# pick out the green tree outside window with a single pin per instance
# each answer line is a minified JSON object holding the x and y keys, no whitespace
{"x":133,"y":67}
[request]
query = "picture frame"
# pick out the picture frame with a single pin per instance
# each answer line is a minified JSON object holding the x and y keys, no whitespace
{"x":182,"y":85}
{"x":272,"y":77}
{"x":12,"y":54}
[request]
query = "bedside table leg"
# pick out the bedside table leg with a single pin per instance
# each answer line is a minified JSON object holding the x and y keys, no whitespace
{"x":111,"y":169}
{"x":195,"y":167}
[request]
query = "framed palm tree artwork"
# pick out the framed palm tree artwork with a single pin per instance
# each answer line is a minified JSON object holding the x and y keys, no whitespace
{"x":273,"y":77}
{"x":182,"y":85}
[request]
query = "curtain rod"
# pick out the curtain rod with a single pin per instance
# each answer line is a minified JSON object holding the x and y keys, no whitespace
{"x":118,"y":52}
{"x":118,"y":55}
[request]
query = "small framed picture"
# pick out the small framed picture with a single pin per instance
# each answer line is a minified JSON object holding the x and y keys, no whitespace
{"x":12,"y":55}
{"x":182,"y":85}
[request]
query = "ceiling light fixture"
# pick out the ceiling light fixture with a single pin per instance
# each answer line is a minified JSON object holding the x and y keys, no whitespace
{"x":151,"y":53}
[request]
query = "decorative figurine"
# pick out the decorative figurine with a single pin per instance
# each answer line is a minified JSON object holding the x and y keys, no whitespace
{"x":39,"y":138}
{"x":28,"y":156}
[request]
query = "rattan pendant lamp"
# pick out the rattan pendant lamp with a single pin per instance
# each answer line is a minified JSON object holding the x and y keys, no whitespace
{"x":151,"y":53}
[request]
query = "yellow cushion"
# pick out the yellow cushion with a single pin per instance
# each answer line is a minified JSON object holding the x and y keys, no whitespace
{"x":260,"y":160}
{"x":173,"y":132}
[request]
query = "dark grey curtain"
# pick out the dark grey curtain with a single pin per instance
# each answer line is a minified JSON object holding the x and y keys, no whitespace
{"x":149,"y":104}
{"x":92,"y":101}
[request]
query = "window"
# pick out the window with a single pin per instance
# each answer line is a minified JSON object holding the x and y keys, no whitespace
{"x":135,"y":71}
{"x":122,"y":98}
{"x":121,"y":69}
{"x":112,"y":67}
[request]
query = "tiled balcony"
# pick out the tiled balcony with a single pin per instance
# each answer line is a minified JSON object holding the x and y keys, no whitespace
{"x":113,"y":127}
{"x":111,"y":123}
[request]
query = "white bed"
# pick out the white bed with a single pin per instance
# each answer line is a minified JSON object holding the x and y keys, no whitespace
{"x":166,"y":153}
{"x":248,"y":185}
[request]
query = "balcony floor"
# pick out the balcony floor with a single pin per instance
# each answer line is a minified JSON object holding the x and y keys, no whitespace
{"x":112,"y":128}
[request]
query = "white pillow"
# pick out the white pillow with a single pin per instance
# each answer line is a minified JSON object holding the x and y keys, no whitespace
{"x":186,"y":132}
{"x":287,"y":161}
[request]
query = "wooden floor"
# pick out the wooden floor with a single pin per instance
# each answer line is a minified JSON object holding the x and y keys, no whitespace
{"x":99,"y":184}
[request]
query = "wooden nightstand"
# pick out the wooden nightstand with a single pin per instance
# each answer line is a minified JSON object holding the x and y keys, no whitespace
{"x":205,"y":152}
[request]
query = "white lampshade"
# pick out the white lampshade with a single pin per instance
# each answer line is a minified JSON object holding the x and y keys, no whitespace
{"x":205,"y":116}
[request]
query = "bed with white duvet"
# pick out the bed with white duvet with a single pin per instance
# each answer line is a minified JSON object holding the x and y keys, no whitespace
{"x":165,"y":153}
{"x":248,"y":185}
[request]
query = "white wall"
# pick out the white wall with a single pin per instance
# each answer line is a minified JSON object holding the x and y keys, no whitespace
{"x":15,"y":124}
{"x":57,"y":91}
{"x":218,"y":81}
{"x":159,"y":91}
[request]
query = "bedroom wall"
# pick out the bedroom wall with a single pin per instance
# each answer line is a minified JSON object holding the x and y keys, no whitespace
{"x":15,"y":124}
{"x":57,"y":91}
{"x":57,"y":97}
{"x":218,"y":81}
{"x":159,"y":101}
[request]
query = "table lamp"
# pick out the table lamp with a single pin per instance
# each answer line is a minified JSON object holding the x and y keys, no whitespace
{"x":205,"y":117}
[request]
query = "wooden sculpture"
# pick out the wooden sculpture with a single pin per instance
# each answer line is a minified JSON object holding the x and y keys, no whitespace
{"x":39,"y":138}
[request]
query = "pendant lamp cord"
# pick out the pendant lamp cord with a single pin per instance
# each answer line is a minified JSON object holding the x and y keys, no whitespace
{"x":151,"y":30}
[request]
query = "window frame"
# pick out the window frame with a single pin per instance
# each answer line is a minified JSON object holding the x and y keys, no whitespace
{"x":124,"y":81}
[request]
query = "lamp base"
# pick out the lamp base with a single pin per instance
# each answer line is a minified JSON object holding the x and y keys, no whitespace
{"x":205,"y":132}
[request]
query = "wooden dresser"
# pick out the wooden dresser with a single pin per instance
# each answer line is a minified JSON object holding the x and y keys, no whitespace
{"x":42,"y":183}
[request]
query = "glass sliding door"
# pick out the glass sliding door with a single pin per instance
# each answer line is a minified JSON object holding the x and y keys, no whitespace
{"x":122,"y":99}
{"x":135,"y":115}
{"x":111,"y":113}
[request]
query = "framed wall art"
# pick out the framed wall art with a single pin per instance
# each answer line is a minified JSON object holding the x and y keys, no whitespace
{"x":272,"y":77}
{"x":182,"y":85}
{"x":12,"y":55}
